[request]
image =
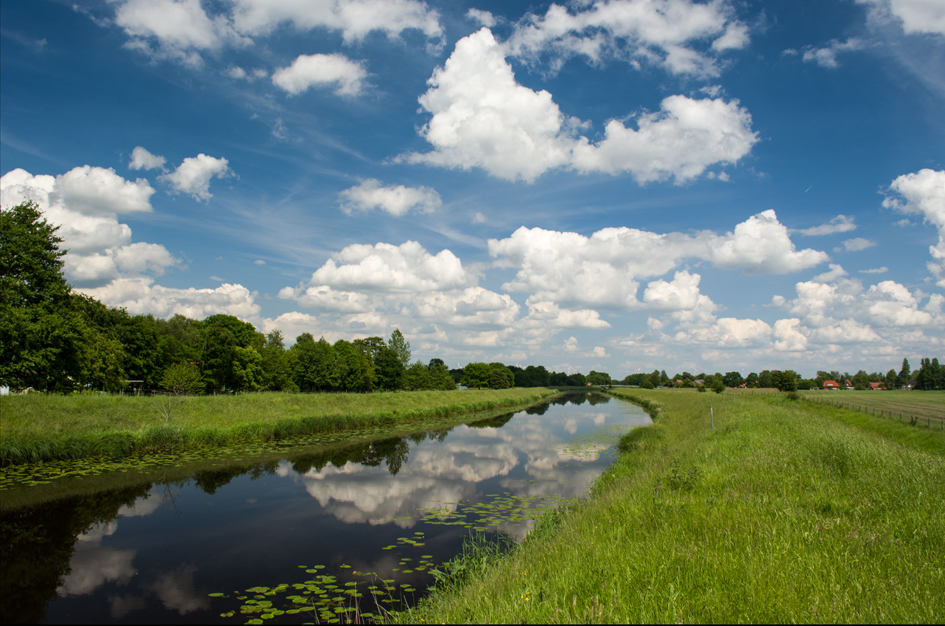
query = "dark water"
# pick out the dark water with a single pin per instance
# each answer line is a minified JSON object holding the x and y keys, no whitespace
{"x":384,"y":510}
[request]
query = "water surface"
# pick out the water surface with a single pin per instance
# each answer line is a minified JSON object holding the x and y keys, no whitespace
{"x":306,"y":534}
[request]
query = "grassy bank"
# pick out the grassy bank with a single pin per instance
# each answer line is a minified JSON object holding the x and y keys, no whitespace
{"x":782,"y":514}
{"x":37,"y":427}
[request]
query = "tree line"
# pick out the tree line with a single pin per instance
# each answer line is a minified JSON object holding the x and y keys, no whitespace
{"x":55,"y":340}
{"x":929,"y":376}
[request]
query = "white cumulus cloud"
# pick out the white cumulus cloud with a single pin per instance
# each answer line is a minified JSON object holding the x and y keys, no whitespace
{"x":320,"y":70}
{"x":193,"y":175}
{"x":397,"y":200}
{"x":923,"y":193}
{"x":142,"y":159}
{"x":385,"y":267}
{"x":604,"y":269}
{"x":482,"y":117}
{"x":761,"y":245}
{"x":143,"y":257}
{"x":85,"y":203}
{"x":97,"y":191}
{"x":139,"y":296}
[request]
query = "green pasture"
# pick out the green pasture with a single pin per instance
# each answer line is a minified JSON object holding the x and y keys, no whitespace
{"x":788,"y":511}
{"x":38,"y":427}
{"x":899,"y":403}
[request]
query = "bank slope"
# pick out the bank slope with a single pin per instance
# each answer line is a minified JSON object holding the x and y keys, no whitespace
{"x":781,"y":514}
{"x":37,"y":427}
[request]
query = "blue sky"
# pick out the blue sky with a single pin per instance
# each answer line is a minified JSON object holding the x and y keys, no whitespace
{"x":619,"y":186}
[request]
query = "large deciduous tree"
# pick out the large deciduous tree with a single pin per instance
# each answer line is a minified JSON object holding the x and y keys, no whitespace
{"x":41,"y":335}
{"x":476,"y":375}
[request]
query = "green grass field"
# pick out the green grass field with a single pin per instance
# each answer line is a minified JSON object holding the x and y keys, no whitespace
{"x":921,"y":404}
{"x":39,"y":427}
{"x":787,"y":512}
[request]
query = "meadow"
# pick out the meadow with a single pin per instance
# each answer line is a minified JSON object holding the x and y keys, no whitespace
{"x":785,"y":511}
{"x":39,"y":427}
{"x":896,"y":404}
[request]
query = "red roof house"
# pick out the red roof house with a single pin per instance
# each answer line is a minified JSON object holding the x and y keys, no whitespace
{"x":831,"y":384}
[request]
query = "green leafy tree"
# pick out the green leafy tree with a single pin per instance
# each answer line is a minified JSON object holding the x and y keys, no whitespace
{"x":247,"y":368}
{"x":182,"y":379}
{"x":787,"y":381}
{"x":417,"y":377}
{"x":222,"y":333}
{"x":388,"y":370}
{"x":634,"y":379}
{"x":102,"y":355}
{"x":100,"y":362}
{"x":891,"y":380}
{"x":576,"y":379}
{"x":931,"y":375}
{"x":30,"y":259}
{"x":41,"y":335}
{"x":904,"y":374}
{"x":370,"y":345}
{"x":598,"y":378}
{"x":501,"y":377}
{"x":476,"y":375}
{"x":718,"y":384}
{"x":316,"y":364}
{"x":401,"y":347}
{"x":732,"y":379}
{"x":440,"y":378}
{"x":558,"y":379}
{"x":768,"y":379}
{"x":181,"y":339}
{"x":862,"y":379}
{"x":276,"y":375}
{"x":147,"y":352}
{"x":354,"y":368}
{"x":538,"y":375}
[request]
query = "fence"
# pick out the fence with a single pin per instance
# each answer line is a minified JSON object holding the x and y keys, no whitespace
{"x":899,"y":415}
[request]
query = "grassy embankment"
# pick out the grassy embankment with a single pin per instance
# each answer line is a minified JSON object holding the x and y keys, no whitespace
{"x":37,"y":427}
{"x":785,"y":513}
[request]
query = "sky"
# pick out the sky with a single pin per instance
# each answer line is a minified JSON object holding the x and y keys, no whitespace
{"x":616,"y":186}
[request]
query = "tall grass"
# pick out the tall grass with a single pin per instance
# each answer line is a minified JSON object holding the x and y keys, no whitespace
{"x":781,"y":514}
{"x":37,"y":427}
